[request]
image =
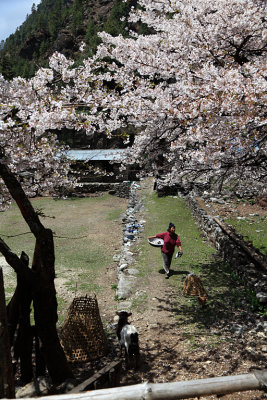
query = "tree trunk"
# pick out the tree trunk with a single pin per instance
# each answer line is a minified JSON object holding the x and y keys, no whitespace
{"x":21,"y":308}
{"x":23,"y":348}
{"x":40,"y":368}
{"x":7,"y":389}
{"x":13,"y":315}
{"x":45,"y":308}
{"x":41,"y":279}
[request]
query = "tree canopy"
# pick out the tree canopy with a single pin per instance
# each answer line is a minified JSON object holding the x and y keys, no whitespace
{"x":194,"y":88}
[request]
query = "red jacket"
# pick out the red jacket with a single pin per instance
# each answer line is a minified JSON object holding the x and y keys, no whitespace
{"x":170,"y":241}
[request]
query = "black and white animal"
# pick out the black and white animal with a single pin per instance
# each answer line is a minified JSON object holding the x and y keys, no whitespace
{"x":128,"y":339}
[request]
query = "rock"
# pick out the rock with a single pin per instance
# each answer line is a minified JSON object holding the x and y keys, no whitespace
{"x":262,"y":297}
{"x":125,"y":286}
{"x":124,"y":305}
{"x":41,"y":386}
{"x":129,"y":237}
{"x":261,"y":335}
{"x":128,"y":257}
{"x":66,"y":386}
{"x":237,"y":329}
{"x":32,"y":44}
{"x":116,"y":318}
{"x":116,"y":257}
{"x":65,"y":41}
{"x":122,"y":267}
{"x":250,"y":350}
{"x":133,"y":271}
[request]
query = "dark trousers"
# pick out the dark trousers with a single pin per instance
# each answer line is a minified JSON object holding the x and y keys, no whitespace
{"x":167,"y":259}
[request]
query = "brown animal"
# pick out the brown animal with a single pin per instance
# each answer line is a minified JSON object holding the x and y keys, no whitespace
{"x":194,"y":287}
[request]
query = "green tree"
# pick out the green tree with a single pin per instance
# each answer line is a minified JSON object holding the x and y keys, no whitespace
{"x":77,"y":16}
{"x":43,"y":47}
{"x":6,"y":67}
{"x":33,"y":9}
{"x":114,"y":26}
{"x":91,"y":37}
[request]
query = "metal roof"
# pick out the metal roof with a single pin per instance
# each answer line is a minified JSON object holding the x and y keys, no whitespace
{"x":96,"y":155}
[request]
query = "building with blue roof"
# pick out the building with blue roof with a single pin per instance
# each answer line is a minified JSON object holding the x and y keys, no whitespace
{"x":115,"y":155}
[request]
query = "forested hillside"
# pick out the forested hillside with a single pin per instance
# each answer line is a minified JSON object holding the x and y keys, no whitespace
{"x":60,"y":25}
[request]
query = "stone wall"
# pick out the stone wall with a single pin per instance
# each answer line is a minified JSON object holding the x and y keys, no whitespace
{"x":132,"y":227}
{"x":248,"y":263}
{"x":120,"y":189}
{"x":248,"y":190}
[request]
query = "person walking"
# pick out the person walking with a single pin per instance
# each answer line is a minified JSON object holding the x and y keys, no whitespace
{"x":171,"y":239}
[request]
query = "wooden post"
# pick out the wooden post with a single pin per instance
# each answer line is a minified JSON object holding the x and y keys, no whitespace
{"x":7,"y":389}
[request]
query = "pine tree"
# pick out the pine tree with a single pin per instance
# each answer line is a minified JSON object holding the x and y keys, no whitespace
{"x":6,"y":67}
{"x":77,"y":16}
{"x":91,"y":37}
{"x":114,"y":26}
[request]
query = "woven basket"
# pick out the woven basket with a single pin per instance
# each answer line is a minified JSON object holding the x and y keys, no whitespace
{"x":193,"y":286}
{"x":82,"y":335}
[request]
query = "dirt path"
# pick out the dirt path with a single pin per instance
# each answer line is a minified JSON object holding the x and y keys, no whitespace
{"x":172,"y":347}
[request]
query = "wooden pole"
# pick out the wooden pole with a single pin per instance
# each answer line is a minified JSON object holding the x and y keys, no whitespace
{"x":174,"y":390}
{"x":6,"y":374}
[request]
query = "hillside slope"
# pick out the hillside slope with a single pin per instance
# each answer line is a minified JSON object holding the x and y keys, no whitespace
{"x":60,"y":25}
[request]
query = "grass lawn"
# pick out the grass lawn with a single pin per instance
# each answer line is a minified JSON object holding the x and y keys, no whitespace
{"x":80,"y":227}
{"x":253,"y":229}
{"x":162,"y":210}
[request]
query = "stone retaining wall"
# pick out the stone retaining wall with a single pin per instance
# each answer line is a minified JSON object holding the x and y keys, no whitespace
{"x":120,"y":189}
{"x":253,"y":271}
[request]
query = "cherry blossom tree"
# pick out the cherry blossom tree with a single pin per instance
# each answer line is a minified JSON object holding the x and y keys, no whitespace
{"x":194,"y":88}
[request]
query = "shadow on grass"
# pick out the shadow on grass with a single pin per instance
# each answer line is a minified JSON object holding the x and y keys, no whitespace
{"x":263,"y":251}
{"x":227,"y":305}
{"x":173,"y":272}
{"x":181,"y":272}
{"x":227,"y":300}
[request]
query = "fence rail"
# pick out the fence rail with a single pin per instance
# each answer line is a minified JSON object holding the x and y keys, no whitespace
{"x":256,"y":380}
